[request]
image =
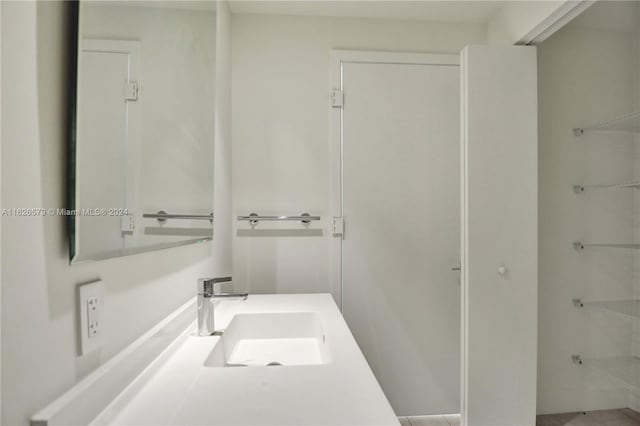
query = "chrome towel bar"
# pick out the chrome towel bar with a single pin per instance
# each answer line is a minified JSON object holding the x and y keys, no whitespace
{"x":162,"y":216}
{"x":254,"y":218}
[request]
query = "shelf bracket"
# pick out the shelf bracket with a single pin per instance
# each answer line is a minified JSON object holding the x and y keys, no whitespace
{"x":578,"y":303}
{"x":578,"y":245}
{"x":578,"y":189}
{"x":576,"y":359}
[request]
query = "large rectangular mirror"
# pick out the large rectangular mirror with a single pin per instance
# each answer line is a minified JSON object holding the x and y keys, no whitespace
{"x":143,"y":144}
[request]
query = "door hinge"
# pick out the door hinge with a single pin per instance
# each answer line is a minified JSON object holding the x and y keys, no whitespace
{"x":131,"y":91}
{"x":127,"y":223}
{"x":338,"y":226}
{"x":337,"y":98}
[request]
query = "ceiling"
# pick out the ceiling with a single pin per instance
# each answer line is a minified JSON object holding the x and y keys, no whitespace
{"x":478,"y":12}
{"x":203,"y":5}
{"x":449,"y":11}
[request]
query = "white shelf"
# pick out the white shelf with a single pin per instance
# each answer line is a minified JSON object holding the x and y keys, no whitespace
{"x":579,"y":189}
{"x":581,"y":246}
{"x":628,"y":123}
{"x":625,"y":369}
{"x":630,"y":308}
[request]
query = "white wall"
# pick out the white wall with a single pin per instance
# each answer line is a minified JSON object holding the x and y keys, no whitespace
{"x":39,"y":358}
{"x":634,"y":400}
{"x":0,"y":220}
{"x":586,"y":75}
{"x":281,"y":134}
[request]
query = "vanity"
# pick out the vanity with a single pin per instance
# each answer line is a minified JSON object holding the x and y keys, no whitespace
{"x":142,"y":173}
{"x":285,"y":359}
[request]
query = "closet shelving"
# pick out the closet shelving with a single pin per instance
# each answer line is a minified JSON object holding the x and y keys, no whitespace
{"x":629,"y":308}
{"x":623,"y":369}
{"x":579,"y":245}
{"x":627,"y":123}
{"x":579,"y":189}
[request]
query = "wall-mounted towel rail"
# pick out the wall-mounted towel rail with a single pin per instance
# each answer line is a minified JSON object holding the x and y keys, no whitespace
{"x":254,"y":218}
{"x":162,"y":216}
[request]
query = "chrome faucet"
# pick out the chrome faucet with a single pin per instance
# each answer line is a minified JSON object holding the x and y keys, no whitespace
{"x":206,"y":294}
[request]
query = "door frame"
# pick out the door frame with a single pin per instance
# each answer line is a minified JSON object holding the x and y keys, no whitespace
{"x":338,"y":58}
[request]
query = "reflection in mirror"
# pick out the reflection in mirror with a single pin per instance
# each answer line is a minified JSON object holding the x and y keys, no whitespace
{"x":144,"y":133}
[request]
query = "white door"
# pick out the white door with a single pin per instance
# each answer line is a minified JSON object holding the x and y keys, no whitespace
{"x":400,"y":192}
{"x":499,"y":235}
{"x":102,"y":148}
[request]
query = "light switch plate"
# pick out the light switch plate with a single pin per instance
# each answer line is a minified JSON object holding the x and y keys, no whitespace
{"x":90,"y":307}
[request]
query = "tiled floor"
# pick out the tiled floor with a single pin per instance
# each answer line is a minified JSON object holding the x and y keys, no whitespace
{"x":446,"y":420}
{"x":621,"y":417}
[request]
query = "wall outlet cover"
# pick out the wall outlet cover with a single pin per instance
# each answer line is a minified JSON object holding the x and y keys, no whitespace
{"x":90,"y":304}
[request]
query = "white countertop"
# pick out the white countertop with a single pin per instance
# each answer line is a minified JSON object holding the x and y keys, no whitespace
{"x":178,"y":389}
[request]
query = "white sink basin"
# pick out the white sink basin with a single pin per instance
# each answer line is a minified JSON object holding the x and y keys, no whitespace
{"x":271,"y":339}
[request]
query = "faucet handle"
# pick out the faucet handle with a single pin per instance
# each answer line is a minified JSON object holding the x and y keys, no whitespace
{"x":206,"y":285}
